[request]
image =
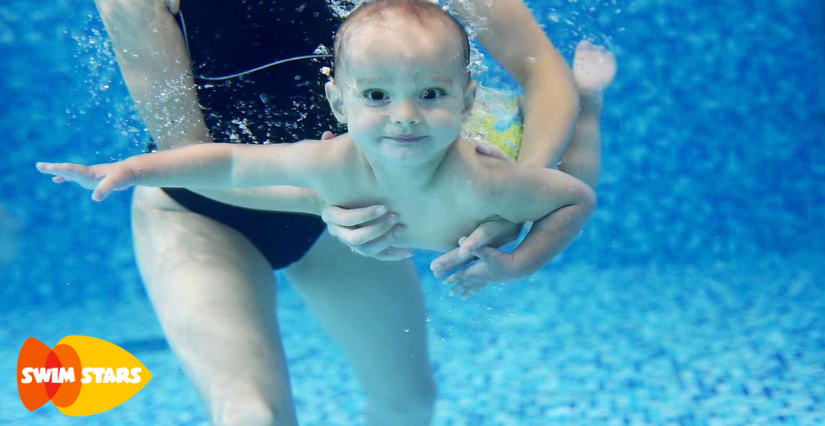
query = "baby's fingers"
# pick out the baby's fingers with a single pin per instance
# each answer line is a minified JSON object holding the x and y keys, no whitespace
{"x":46,"y":168}
{"x":104,"y":188}
{"x":114,"y":181}
{"x":59,"y":168}
{"x":63,"y":171}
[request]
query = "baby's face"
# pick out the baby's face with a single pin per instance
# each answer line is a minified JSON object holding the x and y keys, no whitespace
{"x":405,"y":89}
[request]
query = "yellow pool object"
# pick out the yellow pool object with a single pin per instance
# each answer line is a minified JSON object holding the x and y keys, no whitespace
{"x":496,"y":118}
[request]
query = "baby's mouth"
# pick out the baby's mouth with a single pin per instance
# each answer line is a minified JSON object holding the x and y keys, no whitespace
{"x":406,"y":138}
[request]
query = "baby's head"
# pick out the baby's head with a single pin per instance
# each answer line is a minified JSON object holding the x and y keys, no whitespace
{"x":402,"y":83}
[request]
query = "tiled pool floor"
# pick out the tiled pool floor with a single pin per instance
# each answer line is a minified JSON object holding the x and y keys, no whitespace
{"x":728,"y":344}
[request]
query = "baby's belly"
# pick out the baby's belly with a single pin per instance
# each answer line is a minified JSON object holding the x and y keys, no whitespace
{"x":439,"y":235}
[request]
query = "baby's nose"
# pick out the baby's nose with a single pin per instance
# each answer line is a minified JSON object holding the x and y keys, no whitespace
{"x":405,"y":112}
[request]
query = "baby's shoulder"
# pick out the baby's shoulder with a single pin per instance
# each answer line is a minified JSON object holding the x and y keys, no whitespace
{"x":487,"y":174}
{"x":340,"y":162}
{"x":332,"y":155}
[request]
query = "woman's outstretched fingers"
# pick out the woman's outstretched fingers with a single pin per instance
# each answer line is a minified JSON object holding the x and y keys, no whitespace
{"x":368,"y":231}
{"x":361,"y":235}
{"x":334,"y":215}
{"x":491,"y":150}
{"x":490,"y":233}
{"x":480,"y":237}
{"x":371,"y":240}
{"x":447,"y":262}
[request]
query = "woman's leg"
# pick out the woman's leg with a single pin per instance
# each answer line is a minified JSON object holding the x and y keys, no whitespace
{"x":375,"y":311}
{"x":594,"y":68}
{"x":214,"y":294}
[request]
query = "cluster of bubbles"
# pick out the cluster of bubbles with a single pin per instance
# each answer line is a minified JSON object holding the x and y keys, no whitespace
{"x":102,"y":92}
{"x":576,"y":20}
{"x":106,"y":96}
{"x":342,"y":8}
{"x":476,"y":65}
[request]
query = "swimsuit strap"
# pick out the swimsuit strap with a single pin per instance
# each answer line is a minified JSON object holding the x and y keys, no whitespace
{"x":231,"y":76}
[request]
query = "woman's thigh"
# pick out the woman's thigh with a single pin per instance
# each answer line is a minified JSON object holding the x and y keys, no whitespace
{"x":214,"y":295}
{"x":375,"y":312}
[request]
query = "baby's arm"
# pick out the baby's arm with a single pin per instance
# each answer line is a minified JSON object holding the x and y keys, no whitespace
{"x":209,"y":165}
{"x":559,"y":205}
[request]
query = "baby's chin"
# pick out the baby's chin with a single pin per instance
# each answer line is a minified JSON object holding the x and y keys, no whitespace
{"x":410,"y":153}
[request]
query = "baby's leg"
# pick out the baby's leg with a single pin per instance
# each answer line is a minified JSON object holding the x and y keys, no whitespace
{"x":593,"y":69}
{"x":214,"y":295}
{"x":375,"y":312}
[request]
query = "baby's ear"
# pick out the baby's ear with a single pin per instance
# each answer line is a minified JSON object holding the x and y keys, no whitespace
{"x":336,"y":101}
{"x":469,"y":98}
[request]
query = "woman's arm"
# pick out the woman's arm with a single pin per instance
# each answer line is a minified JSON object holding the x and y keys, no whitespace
{"x":157,"y":71}
{"x":510,"y":32}
{"x":152,"y":57}
{"x":551,"y":105}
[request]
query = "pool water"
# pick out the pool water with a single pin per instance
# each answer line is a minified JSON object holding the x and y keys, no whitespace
{"x":695,"y":296}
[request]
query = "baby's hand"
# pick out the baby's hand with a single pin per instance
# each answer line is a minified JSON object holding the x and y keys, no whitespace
{"x":102,"y":178}
{"x":493,"y":266}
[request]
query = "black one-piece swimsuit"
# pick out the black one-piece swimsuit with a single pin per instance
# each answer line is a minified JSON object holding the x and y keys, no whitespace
{"x":282,"y":103}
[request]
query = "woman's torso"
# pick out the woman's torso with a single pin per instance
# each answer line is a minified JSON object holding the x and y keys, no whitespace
{"x":282,"y":103}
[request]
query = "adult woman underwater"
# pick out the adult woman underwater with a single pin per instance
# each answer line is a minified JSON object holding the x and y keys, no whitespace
{"x":207,"y":266}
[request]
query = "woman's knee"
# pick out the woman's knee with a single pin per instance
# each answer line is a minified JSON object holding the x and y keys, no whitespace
{"x":415,"y":406}
{"x":252,"y":408}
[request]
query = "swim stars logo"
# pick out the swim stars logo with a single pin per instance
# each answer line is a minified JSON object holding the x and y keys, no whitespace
{"x":82,"y":375}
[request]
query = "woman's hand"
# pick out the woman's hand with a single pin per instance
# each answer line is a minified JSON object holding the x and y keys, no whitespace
{"x":492,"y":233}
{"x":102,"y":178}
{"x":491,"y":150}
{"x":368,"y":231}
{"x":494,"y":266}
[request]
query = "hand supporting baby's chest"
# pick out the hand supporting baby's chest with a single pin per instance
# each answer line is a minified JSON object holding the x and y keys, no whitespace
{"x":431,"y":221}
{"x":435,"y":224}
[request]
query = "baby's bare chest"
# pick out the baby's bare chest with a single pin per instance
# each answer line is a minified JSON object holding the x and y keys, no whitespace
{"x":436,"y":223}
{"x":432,"y":219}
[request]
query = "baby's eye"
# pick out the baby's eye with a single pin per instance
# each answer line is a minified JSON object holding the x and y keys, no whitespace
{"x":375,"y":96}
{"x":432,"y":94}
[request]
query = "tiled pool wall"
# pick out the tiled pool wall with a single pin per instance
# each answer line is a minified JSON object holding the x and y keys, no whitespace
{"x":712,"y":138}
